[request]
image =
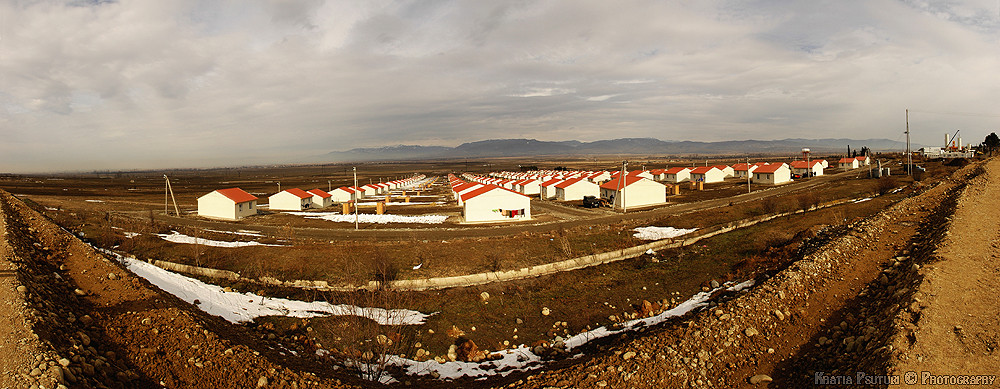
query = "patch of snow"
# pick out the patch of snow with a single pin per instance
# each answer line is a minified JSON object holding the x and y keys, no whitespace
{"x":51,"y":209}
{"x":131,"y":235}
{"x":393,"y":204}
{"x":523,"y":359}
{"x":657,"y":233}
{"x":862,"y":200}
{"x":244,"y":307}
{"x":650,"y":252}
{"x":177,"y":237}
{"x":94,"y":201}
{"x":371,"y":218}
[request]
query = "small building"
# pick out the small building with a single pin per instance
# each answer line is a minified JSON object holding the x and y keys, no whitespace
{"x":708,"y":174}
{"x":575,"y":188}
{"x":848,"y":163}
{"x":343,"y":195}
{"x":636,"y":192}
{"x":547,"y":189}
{"x":727,"y":170}
{"x":294,"y":199}
{"x":491,"y":203}
{"x":677,"y":174}
{"x":807,"y":169}
{"x":530,"y":187}
{"x":742,"y":170}
{"x":227,"y":204}
{"x":320,"y":198}
{"x":863,"y":161}
{"x":774,"y":174}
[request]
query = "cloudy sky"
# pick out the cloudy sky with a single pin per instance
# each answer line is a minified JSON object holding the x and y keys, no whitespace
{"x":181,"y":83}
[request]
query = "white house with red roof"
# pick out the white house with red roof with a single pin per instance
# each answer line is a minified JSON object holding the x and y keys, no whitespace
{"x":728,"y":170}
{"x":575,"y":188}
{"x":320,"y":198}
{"x":742,"y":170}
{"x":530,"y":187}
{"x":342,"y":195}
{"x":807,"y":169}
{"x":636,"y":192}
{"x":773,"y":174}
{"x":708,"y":174}
{"x":848,"y":163}
{"x":491,"y":203}
{"x":677,"y":174}
{"x":294,"y":199}
{"x":863,"y":160}
{"x":228,"y":204}
{"x":547,"y":189}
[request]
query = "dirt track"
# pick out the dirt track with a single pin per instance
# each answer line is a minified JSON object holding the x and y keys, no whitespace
{"x":840,"y":310}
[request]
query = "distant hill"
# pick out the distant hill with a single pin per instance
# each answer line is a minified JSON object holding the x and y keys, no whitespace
{"x":624,"y":146}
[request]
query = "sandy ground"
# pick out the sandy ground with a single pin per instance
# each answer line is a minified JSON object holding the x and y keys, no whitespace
{"x":958,"y":329}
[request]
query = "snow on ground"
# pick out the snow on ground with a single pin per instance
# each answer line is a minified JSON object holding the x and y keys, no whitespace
{"x":862,"y":200}
{"x":523,"y":359}
{"x":178,"y":237}
{"x":131,"y":235}
{"x":244,"y":307}
{"x":371,"y":218}
{"x":657,"y":233}
{"x":94,"y":201}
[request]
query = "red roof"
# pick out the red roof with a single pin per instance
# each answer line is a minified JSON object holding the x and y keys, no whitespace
{"x":486,"y":188}
{"x":846,"y":160}
{"x":675,"y":170}
{"x":568,"y":182}
{"x":703,"y":169}
{"x":741,"y":166}
{"x":346,"y":189}
{"x":237,"y":195}
{"x":613,"y":184}
{"x":320,"y":193}
{"x":299,"y":193}
{"x":769,"y":168}
{"x":465,"y":185}
{"x":552,"y":182}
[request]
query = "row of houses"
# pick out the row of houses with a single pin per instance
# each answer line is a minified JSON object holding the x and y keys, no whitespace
{"x":235,"y":203}
{"x":635,"y":189}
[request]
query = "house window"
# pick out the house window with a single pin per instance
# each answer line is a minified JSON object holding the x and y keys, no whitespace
{"x":241,"y":206}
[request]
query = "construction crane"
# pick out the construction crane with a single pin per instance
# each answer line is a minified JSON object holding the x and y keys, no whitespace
{"x":951,"y":146}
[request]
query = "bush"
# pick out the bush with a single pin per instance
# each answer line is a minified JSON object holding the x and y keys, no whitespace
{"x":885,"y":185}
{"x":807,"y":200}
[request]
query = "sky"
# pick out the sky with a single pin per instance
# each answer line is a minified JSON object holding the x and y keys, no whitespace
{"x":118,"y":85}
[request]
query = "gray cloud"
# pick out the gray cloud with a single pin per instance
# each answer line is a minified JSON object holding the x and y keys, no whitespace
{"x":129,"y":84}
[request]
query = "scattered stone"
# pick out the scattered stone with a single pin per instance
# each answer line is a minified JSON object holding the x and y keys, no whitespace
{"x":779,"y":314}
{"x":112,"y":276}
{"x":628,"y":355}
{"x":22,"y":289}
{"x":484,"y":296}
{"x":760,"y":378}
{"x":750,"y":331}
{"x":262,"y":382}
{"x":545,"y":311}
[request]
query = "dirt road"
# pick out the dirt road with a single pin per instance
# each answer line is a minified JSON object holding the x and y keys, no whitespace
{"x":957,"y":331}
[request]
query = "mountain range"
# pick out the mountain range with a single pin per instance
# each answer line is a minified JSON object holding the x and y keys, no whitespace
{"x":623,"y":146}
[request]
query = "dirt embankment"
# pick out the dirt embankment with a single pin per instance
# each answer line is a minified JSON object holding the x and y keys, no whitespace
{"x":831,"y":313}
{"x":101,"y":326}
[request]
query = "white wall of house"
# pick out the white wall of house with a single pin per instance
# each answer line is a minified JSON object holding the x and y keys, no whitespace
{"x":341,"y":196}
{"x":577,"y":190}
{"x":780,"y":176}
{"x":490,"y":207}
{"x":217,"y":206}
{"x":711,"y":176}
{"x":548,"y":192}
{"x":641,"y":193}
{"x":284,"y":201}
{"x":531,"y":188}
{"x":320,"y":201}
{"x":681,"y":176}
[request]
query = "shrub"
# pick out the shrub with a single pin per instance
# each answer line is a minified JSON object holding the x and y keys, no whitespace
{"x":885,"y":184}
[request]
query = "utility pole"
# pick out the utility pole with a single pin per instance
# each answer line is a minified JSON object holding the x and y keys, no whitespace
{"x":355,"y":199}
{"x":748,"y":176}
{"x":622,"y":183}
{"x":909,"y":156}
{"x":329,"y":186}
{"x":171,"y":190}
{"x":279,"y":186}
